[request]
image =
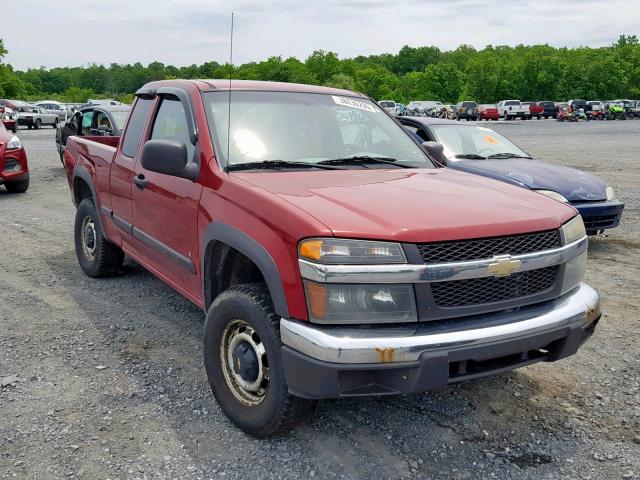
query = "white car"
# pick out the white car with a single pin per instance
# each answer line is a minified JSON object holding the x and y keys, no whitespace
{"x":510,"y":109}
{"x":423,"y":105}
{"x":390,"y":106}
{"x":52,"y":106}
{"x":35,"y":117}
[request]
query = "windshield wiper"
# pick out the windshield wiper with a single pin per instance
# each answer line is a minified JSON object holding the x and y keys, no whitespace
{"x":277,"y":164}
{"x":363,"y":160}
{"x":507,"y":155}
{"x":472,"y":156}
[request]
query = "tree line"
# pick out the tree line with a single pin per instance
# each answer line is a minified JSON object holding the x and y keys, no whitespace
{"x":536,"y":72}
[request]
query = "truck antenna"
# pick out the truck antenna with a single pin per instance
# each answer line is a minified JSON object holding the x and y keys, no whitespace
{"x":229,"y":107}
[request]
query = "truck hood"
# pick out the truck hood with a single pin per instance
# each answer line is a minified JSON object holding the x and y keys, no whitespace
{"x":572,"y":184}
{"x":412,"y":205}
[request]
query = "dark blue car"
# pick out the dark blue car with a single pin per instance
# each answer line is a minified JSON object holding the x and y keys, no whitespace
{"x":485,"y":152}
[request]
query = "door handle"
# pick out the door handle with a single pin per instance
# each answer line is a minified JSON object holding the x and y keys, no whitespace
{"x":140,"y":181}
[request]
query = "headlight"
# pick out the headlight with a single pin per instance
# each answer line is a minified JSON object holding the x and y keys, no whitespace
{"x":573,"y":230}
{"x":611,"y":195}
{"x":14,"y":144}
{"x":552,"y":194}
{"x":341,"y":251}
{"x":345,"y":303}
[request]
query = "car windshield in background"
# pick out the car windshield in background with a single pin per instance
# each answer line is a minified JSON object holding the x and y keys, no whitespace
{"x":387,"y":104}
{"x":468,"y":142}
{"x":119,"y":118}
{"x":306,"y":129}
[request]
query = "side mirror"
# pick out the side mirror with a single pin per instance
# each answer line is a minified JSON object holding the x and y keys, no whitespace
{"x":169,"y":158}
{"x":436,"y":150}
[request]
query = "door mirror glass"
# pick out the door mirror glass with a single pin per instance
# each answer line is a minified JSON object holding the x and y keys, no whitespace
{"x":168,"y":157}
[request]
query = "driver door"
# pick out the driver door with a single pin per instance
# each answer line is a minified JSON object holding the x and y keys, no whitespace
{"x":165,"y":207}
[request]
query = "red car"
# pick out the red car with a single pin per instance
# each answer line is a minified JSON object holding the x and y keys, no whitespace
{"x":488,"y":112}
{"x":333,"y":256}
{"x":14,"y":170}
{"x":535,"y":110}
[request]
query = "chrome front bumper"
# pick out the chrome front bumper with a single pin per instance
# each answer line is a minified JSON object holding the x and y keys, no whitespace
{"x":579,"y":308}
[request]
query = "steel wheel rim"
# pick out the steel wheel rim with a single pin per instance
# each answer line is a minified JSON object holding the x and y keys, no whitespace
{"x":250,"y":393}
{"x":89,"y":238}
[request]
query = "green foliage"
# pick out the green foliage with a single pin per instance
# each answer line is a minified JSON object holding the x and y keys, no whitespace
{"x":536,"y":72}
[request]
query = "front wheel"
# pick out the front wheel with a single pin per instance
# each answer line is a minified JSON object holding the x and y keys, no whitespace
{"x":20,"y":186}
{"x":97,"y":256}
{"x":244,"y":365}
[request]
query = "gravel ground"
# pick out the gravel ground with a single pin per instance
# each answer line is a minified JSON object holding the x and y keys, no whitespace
{"x":108,"y":379}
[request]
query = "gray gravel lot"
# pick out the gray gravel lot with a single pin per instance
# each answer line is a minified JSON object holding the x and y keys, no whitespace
{"x":109,"y":381}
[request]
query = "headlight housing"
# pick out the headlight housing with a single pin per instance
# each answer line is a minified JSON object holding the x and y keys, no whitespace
{"x":350,"y":252}
{"x":552,"y":194}
{"x":14,"y":143}
{"x":352,"y":303}
{"x":573,"y":230}
{"x":611,"y":195}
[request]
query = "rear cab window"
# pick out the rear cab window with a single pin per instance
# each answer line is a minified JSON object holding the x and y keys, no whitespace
{"x":133,"y":133}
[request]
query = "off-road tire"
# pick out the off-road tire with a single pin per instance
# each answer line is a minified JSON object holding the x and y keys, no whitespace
{"x":107,"y":258}
{"x":19,"y":186}
{"x":278,"y":411}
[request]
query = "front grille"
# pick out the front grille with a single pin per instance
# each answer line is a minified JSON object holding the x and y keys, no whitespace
{"x":598,"y":222}
{"x":478,"y":291}
{"x":460,"y":251}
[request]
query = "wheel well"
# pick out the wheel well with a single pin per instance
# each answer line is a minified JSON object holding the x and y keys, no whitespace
{"x":81,"y":190}
{"x":224,"y":266}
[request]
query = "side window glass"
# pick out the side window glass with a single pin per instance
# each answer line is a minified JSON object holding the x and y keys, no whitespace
{"x":87,"y":118}
{"x":133,"y":133}
{"x":171,"y":124}
{"x":74,"y":122}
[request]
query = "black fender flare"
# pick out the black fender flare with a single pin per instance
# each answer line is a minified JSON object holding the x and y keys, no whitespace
{"x":234,"y":238}
{"x":82,"y":173}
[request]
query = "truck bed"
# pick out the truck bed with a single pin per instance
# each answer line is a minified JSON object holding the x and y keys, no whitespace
{"x":95,"y":154}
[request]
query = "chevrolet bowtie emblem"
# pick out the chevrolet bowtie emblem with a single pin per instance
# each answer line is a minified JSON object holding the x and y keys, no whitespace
{"x":503,"y":266}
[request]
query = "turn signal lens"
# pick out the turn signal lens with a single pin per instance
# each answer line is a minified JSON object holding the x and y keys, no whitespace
{"x":343,"y":251}
{"x":310,"y":249}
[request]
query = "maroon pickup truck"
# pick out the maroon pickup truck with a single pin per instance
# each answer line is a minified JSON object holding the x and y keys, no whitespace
{"x":331,"y":255}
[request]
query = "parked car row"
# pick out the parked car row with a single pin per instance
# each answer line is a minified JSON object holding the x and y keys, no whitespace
{"x":515,"y":109}
{"x":44,"y":112}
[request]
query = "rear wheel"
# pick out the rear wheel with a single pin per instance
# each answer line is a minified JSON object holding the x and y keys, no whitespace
{"x":244,"y":365}
{"x":19,"y":186}
{"x":38,"y":124}
{"x":97,"y":256}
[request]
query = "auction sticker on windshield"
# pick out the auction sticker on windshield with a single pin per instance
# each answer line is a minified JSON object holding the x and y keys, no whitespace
{"x":353,"y":103}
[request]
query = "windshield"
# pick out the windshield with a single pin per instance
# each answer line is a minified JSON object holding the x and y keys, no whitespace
{"x":119,"y":118}
{"x":306,"y":127}
{"x":473,"y":141}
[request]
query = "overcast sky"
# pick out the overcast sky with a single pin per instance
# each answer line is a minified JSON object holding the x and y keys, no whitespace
{"x":183,"y":32}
